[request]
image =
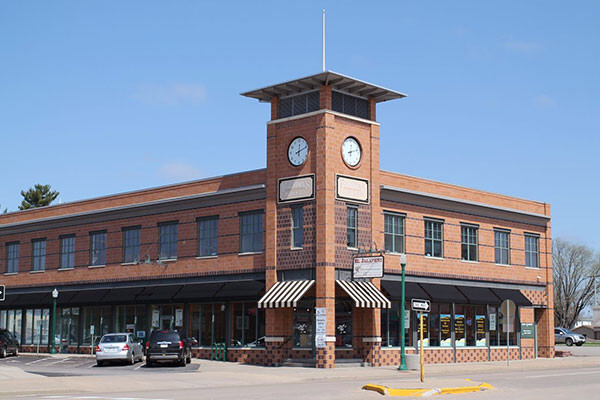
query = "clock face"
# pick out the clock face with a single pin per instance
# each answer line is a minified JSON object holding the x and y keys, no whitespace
{"x":351,"y":151}
{"x":298,"y":151}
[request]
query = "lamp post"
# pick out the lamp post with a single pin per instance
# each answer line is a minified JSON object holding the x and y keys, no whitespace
{"x":402,"y":366}
{"x":52,"y":333}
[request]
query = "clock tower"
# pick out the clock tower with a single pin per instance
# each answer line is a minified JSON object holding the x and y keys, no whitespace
{"x":322,"y":159}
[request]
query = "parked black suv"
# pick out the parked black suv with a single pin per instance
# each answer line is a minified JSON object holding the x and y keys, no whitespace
{"x":8,"y":344}
{"x":168,"y":346}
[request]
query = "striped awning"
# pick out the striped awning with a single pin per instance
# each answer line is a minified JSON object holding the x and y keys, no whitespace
{"x":285,"y":294}
{"x":365,"y":294}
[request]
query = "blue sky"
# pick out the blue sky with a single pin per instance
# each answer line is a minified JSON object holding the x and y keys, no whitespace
{"x":104,"y":97}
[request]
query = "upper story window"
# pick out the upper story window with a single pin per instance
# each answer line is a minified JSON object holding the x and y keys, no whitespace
{"x":297,"y":226}
{"x":131,"y":244}
{"x":352,"y":227}
{"x":167,"y":241}
{"x":98,"y":248}
{"x":434,"y":238}
{"x":394,"y":233}
{"x":532,"y":251}
{"x":12,"y":257}
{"x":208,"y":236}
{"x":299,"y":104}
{"x":350,"y":105}
{"x":38,"y":254}
{"x":468,"y":243}
{"x":67,"y":251}
{"x":251,"y":232}
{"x":501,"y":247}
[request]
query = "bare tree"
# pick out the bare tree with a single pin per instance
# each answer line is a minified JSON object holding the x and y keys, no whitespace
{"x":575,"y":268}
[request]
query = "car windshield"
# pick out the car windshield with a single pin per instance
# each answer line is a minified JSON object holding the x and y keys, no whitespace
{"x":569,"y":332}
{"x":158,"y":336}
{"x":114,"y":339}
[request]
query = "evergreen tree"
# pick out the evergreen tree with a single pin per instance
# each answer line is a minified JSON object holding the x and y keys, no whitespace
{"x":38,"y":196}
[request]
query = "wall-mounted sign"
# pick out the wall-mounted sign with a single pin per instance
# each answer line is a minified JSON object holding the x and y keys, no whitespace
{"x":179,"y":317}
{"x":155,"y":318}
{"x":480,"y":325}
{"x":492,"y":322}
{"x":320,"y":327}
{"x":348,"y":188}
{"x":141,"y":334}
{"x":367,"y":267}
{"x":445,"y":323}
{"x":130,"y":327}
{"x":527,"y":331}
{"x":297,"y":188}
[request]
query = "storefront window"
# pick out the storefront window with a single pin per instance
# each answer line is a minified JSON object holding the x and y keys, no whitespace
{"x":390,"y":326}
{"x":96,"y":322}
{"x":470,"y":327}
{"x":36,"y":326}
{"x":303,"y":325}
{"x":167,"y":317}
{"x":434,"y":325}
{"x":459,"y":325}
{"x":502,"y":331}
{"x":132,"y":319}
{"x":425,"y":329}
{"x":343,"y":324}
{"x":445,"y":325}
{"x":66,"y":327}
{"x":243,"y":324}
{"x":206,"y":324}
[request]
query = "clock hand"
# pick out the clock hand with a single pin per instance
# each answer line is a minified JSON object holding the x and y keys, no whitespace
{"x":298,"y":152}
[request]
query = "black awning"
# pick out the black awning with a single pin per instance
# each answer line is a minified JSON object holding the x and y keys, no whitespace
{"x":198,"y":291}
{"x":479,"y":295}
{"x":243,"y":289}
{"x":514,"y":295}
{"x":412,"y":290}
{"x":443,"y":293}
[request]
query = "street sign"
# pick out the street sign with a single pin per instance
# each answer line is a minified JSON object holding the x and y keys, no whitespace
{"x":508,"y":309}
{"x":367,"y":267}
{"x":2,"y":294}
{"x":420,"y":305}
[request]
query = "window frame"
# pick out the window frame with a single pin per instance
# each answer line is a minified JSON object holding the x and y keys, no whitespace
{"x":256,"y":235}
{"x":354,"y":228}
{"x":466,"y":234}
{"x":38,"y":261}
{"x":297,"y":225}
{"x":402,"y":235}
{"x":529,"y":253}
{"x":71,"y":254}
{"x":498,"y":249}
{"x":125,"y":245}
{"x":170,"y":243}
{"x":432,"y":239}
{"x":208,"y":239}
{"x":93,"y":249}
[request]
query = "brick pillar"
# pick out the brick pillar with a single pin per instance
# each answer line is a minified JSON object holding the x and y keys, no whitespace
{"x":546,"y":322}
{"x":325,"y":234}
{"x":325,"y":98}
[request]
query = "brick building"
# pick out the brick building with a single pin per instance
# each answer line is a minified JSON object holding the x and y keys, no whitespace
{"x":245,"y":259}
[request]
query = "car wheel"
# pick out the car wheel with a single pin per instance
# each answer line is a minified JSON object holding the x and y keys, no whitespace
{"x":100,"y":363}
{"x":188,"y":359}
{"x":131,"y":359}
{"x":569,"y":342}
{"x":579,"y":344}
{"x":182,"y":362}
{"x":16,"y":353}
{"x":3,"y":352}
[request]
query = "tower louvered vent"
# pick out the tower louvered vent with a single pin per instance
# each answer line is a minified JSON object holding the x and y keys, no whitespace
{"x":300,"y":104}
{"x":350,"y":105}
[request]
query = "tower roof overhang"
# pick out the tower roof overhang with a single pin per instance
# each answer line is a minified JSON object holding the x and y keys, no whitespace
{"x":327,"y":78}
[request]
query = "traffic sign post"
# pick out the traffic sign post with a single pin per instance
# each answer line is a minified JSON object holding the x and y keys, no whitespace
{"x":508,"y":309}
{"x":421,"y":306}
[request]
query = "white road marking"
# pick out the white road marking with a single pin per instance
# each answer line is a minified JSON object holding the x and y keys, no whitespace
{"x":139,"y":366}
{"x":36,"y":361}
{"x":572,"y":373}
{"x":56,"y":362}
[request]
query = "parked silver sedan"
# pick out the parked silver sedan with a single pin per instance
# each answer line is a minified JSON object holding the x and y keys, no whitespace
{"x":119,"y":347}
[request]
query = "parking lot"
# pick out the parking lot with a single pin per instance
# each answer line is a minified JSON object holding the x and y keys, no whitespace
{"x":77,"y":365}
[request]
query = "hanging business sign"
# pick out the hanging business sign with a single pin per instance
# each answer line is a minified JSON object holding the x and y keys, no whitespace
{"x":367,"y":267}
{"x":2,"y":294}
{"x":320,"y":327}
{"x":179,"y":317}
{"x":297,"y":188}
